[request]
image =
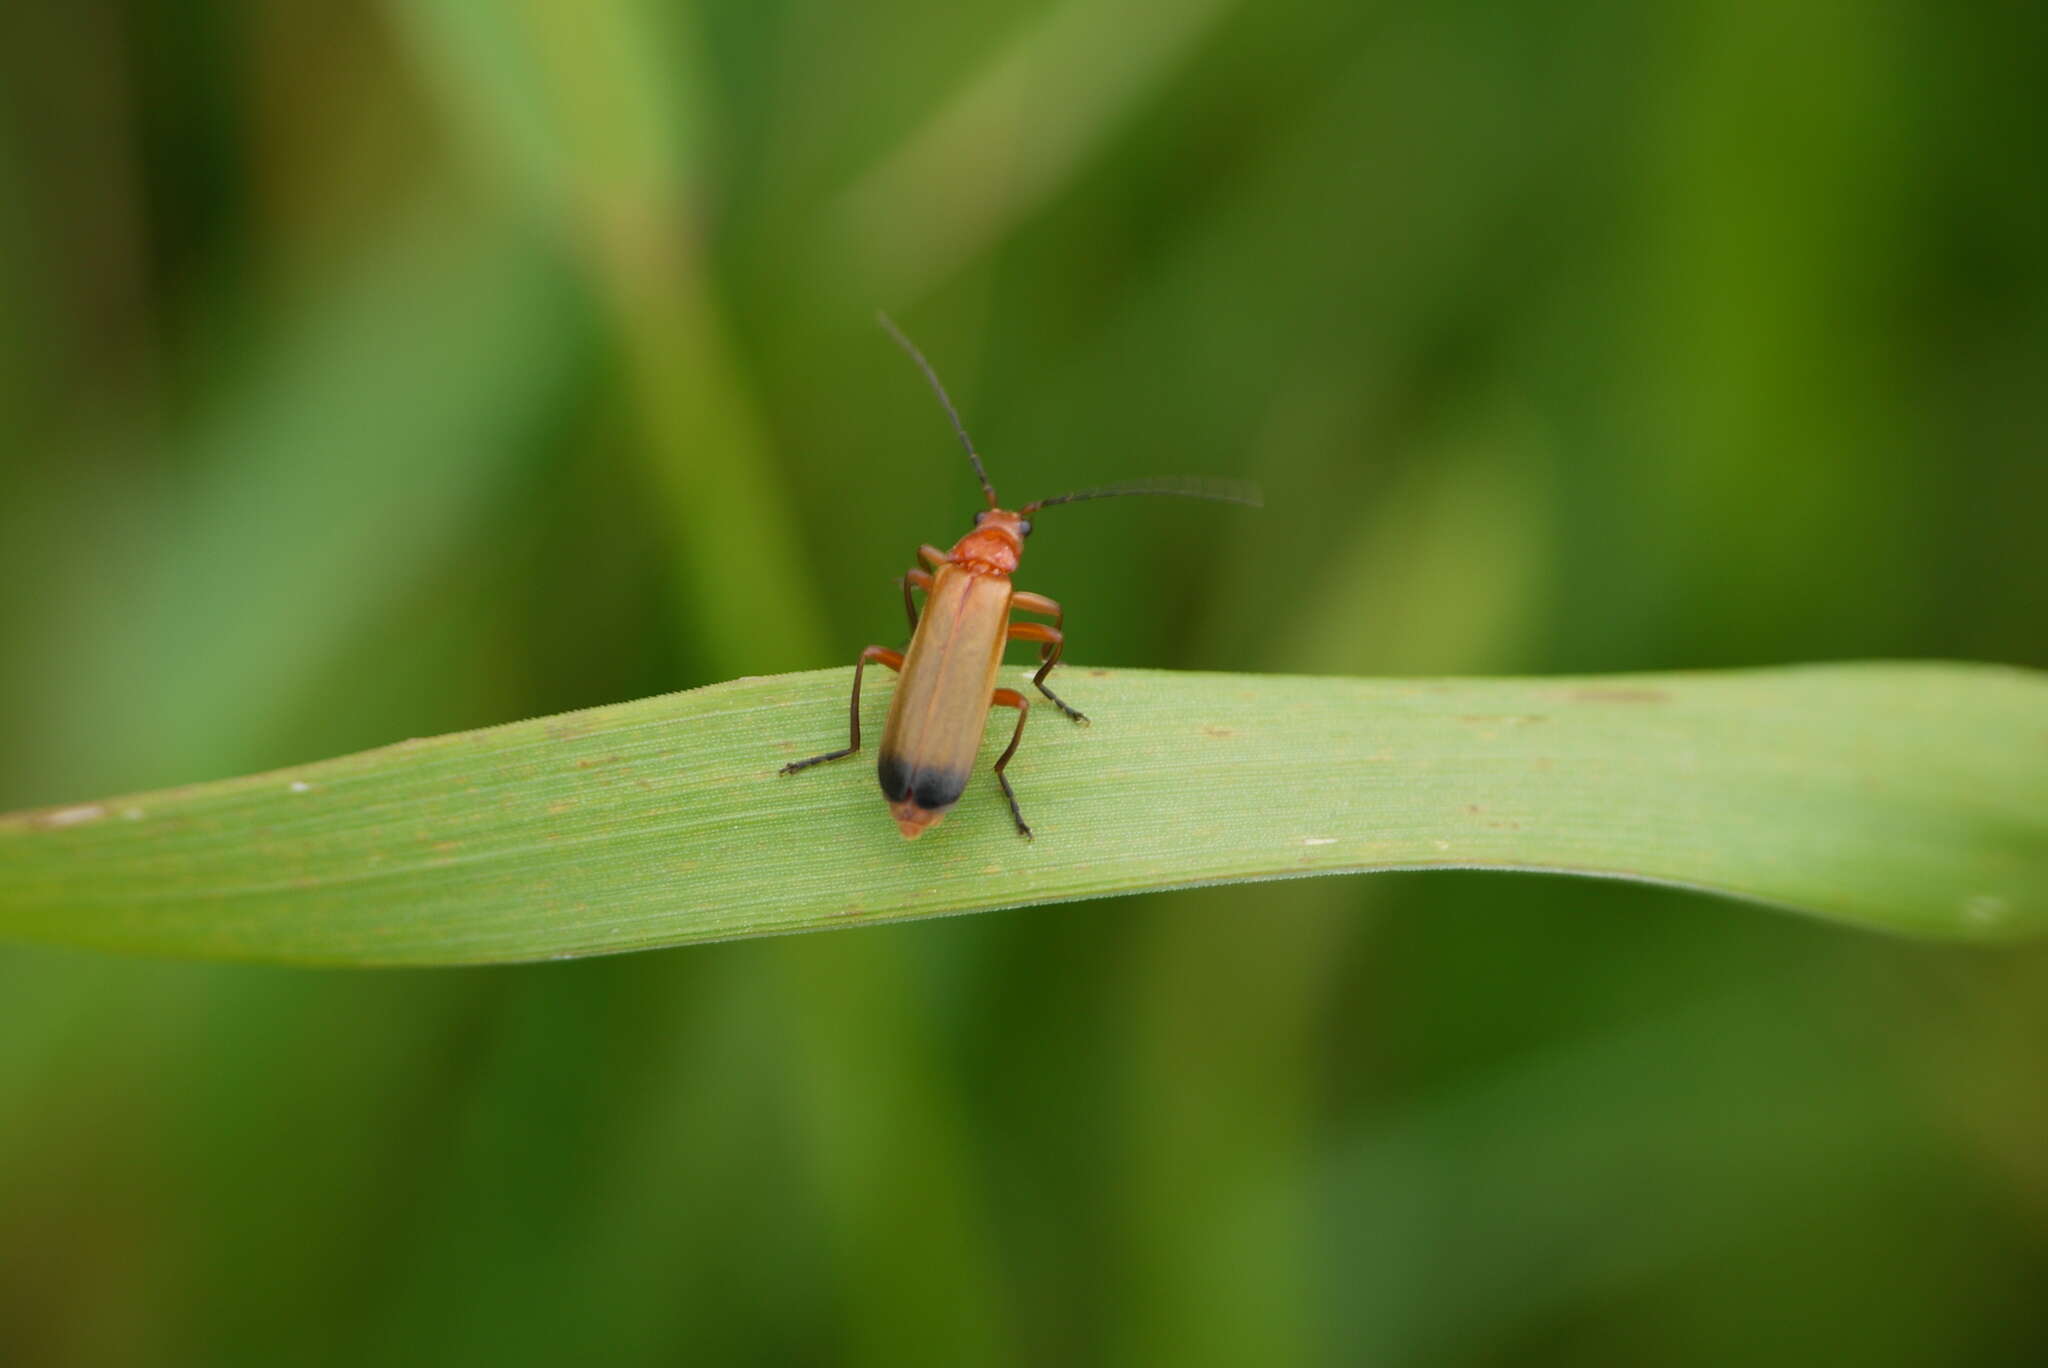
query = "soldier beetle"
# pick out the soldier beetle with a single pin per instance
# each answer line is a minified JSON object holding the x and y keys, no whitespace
{"x":948,"y":676}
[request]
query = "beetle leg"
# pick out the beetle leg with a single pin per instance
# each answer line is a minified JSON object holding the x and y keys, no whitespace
{"x":1025,"y":602}
{"x":1039,"y":603}
{"x":894,"y":660}
{"x":1010,"y":698}
{"x":1050,"y":656}
{"x":921,"y":579}
{"x":932,"y":556}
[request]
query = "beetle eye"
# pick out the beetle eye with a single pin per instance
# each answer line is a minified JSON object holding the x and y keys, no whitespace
{"x":1025,"y":527}
{"x":979,"y":516}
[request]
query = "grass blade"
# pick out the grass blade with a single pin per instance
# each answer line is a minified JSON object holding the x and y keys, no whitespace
{"x":1911,"y":798}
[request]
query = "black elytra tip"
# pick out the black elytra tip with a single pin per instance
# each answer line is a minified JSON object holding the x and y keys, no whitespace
{"x":934,"y":790}
{"x":895,"y":777}
{"x":937,"y":790}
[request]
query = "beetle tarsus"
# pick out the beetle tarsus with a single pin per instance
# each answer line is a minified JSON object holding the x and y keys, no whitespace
{"x":1061,"y":704}
{"x":793,"y":766}
{"x":1016,"y":814}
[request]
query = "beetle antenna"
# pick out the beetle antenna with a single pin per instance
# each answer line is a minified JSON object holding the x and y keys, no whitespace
{"x":940,"y":390}
{"x":1183,"y":486}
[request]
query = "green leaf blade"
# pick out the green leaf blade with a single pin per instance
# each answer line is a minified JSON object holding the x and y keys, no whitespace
{"x":1909,"y":798}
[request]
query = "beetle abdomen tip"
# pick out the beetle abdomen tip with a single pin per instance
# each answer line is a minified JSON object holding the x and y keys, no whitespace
{"x":912,"y":820}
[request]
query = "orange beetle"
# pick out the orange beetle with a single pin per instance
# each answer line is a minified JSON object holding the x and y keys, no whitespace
{"x":949,"y":674}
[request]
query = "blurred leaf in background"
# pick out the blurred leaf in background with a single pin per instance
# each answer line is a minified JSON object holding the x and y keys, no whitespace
{"x":374,"y":371}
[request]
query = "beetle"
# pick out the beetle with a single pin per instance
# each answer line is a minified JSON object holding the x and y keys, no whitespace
{"x":948,"y":675}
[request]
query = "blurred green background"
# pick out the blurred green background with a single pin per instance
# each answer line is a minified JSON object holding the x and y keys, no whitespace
{"x":376,"y":371}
